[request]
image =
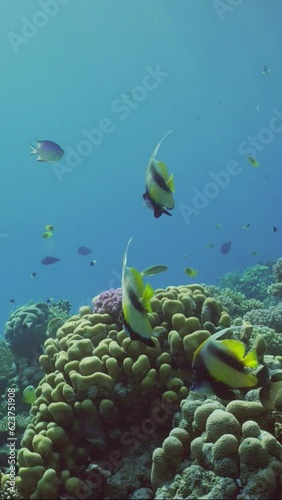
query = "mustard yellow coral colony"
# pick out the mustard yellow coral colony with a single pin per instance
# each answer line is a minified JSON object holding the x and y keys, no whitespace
{"x":103,"y":397}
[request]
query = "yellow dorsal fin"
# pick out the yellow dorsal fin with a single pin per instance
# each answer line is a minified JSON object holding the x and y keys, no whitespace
{"x":163,"y":170}
{"x":251,"y":360}
{"x":170,"y":183}
{"x":138,"y":281}
{"x":146,"y":298}
{"x":234,"y":347}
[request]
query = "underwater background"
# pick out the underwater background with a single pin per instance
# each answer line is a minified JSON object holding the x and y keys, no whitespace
{"x":67,"y":77}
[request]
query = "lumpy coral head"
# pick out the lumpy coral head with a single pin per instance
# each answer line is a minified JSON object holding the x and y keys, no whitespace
{"x":108,"y":302}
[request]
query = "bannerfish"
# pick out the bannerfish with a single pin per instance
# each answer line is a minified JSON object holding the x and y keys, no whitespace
{"x":93,"y":262}
{"x":225,"y":248}
{"x":29,"y":394}
{"x":274,"y":229}
{"x":190,"y":272}
{"x":47,"y":234}
{"x":224,"y":361}
{"x":152,"y":270}
{"x":252,"y":161}
{"x":47,"y":151}
{"x":33,"y":275}
{"x":84,"y":250}
{"x":159,"y":185}
{"x":136,"y":304}
{"x":49,"y":260}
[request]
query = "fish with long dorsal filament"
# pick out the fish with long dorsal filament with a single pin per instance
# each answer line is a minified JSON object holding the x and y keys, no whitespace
{"x":159,"y":187}
{"x":136,"y":305}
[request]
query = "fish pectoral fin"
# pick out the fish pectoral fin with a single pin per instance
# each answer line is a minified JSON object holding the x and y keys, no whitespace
{"x":251,"y":360}
{"x":146,"y":298}
{"x":170,"y":183}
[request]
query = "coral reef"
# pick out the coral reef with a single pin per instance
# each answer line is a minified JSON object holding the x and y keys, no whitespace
{"x":275,"y":288}
{"x":230,"y":456}
{"x":235,"y":302}
{"x":103,"y":395}
{"x":25,"y":330}
{"x":271,"y":317}
{"x":7,"y":489}
{"x":108,"y":302}
{"x":272,"y":339}
{"x":7,"y":364}
{"x":253,"y":283}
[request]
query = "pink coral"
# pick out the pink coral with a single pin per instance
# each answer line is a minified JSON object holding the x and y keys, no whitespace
{"x":108,"y":302}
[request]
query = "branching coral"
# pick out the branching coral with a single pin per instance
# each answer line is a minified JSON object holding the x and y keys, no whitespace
{"x":271,"y":317}
{"x":6,"y":360}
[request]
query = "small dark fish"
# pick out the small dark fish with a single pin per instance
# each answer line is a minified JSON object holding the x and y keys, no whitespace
{"x":226,"y":247}
{"x":33,"y":275}
{"x":265,"y":70}
{"x":246,"y":226}
{"x":93,"y":262}
{"x":274,"y":229}
{"x":254,"y":253}
{"x":49,"y":260}
{"x":12,"y":301}
{"x":84,"y":250}
{"x":49,"y":301}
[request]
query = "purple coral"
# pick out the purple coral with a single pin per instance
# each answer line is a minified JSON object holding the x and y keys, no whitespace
{"x":108,"y":303}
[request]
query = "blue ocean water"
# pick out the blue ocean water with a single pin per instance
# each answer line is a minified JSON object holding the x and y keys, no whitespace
{"x":66,"y":66}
